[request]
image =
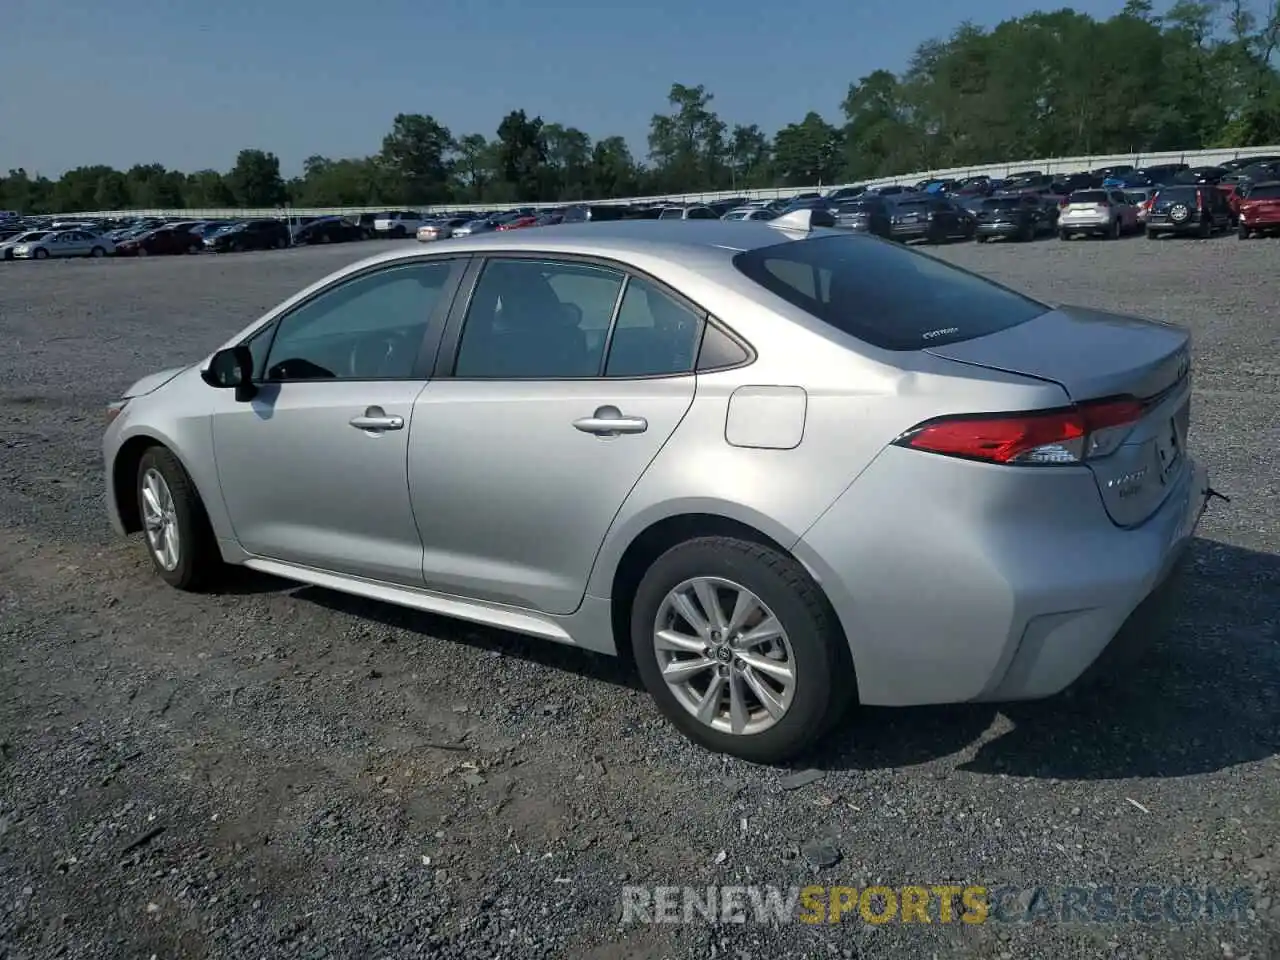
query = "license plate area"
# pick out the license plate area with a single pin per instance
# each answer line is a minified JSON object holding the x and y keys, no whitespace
{"x":1170,"y":443}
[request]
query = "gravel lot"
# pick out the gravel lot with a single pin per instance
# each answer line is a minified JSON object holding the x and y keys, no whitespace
{"x":285,"y":772}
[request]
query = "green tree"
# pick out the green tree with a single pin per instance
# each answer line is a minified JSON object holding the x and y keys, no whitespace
{"x":687,"y":147}
{"x":750,"y":154}
{"x":255,"y":179}
{"x":521,"y":155}
{"x":569,"y":157}
{"x":415,"y":155}
{"x":807,"y":152}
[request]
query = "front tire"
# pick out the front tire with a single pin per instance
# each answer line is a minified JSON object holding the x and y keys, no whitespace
{"x":179,"y":538}
{"x":740,"y":649}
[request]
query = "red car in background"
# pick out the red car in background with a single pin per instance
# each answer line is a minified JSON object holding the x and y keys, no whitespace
{"x":1260,"y":211}
{"x":166,"y":240}
{"x":519,"y":223}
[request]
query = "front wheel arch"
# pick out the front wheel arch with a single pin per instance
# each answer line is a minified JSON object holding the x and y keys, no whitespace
{"x":124,"y":474}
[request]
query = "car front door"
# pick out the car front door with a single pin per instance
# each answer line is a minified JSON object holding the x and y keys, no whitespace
{"x":566,"y":379}
{"x":312,"y":469}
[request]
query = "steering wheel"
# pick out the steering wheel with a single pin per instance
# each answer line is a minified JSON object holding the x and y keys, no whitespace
{"x":375,"y":355}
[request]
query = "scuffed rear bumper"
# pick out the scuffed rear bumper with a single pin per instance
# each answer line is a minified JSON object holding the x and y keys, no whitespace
{"x":959,"y":581}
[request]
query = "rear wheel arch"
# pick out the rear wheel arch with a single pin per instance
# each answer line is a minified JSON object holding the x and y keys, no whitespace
{"x":661,"y":536}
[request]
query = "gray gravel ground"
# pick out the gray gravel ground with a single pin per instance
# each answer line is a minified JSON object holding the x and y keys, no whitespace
{"x":286,"y":772}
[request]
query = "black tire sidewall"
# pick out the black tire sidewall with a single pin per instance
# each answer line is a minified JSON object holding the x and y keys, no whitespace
{"x":803,"y":614}
{"x":192,"y":524}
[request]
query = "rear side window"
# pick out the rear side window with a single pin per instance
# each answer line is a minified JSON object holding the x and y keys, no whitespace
{"x":884,"y":294}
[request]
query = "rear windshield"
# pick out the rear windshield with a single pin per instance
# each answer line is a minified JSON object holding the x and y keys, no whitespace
{"x":1089,"y":196}
{"x":1179,"y":193}
{"x":860,"y":206}
{"x":884,"y":294}
{"x":909,"y":204}
{"x":1002,"y":203}
{"x":1267,"y":191}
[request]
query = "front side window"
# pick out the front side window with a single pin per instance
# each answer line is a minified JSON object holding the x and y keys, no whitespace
{"x":369,"y":328}
{"x":537,"y":319}
{"x":655,"y":335}
{"x":884,"y":294}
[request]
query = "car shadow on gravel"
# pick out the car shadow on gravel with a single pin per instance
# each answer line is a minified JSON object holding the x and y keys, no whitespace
{"x":1201,"y":699}
{"x":557,"y":656}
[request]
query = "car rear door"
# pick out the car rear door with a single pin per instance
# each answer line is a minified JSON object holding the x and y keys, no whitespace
{"x":560,"y":381}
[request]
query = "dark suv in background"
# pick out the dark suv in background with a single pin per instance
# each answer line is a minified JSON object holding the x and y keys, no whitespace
{"x":249,"y":235}
{"x":1201,"y":210}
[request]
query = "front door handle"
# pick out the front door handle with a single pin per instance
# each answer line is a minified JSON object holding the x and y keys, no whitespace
{"x":376,"y":419}
{"x":609,"y":422}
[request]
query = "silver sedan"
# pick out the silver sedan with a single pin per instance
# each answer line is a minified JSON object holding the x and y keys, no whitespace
{"x":65,"y":243}
{"x":784,"y":467}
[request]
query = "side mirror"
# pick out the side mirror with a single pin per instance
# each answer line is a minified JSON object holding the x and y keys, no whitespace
{"x":232,"y":368}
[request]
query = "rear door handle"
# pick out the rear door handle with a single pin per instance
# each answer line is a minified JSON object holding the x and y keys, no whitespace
{"x":376,"y":419}
{"x":609,"y":422}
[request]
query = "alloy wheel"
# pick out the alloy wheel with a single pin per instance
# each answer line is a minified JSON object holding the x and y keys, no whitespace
{"x":724,"y":655}
{"x":160,"y":520}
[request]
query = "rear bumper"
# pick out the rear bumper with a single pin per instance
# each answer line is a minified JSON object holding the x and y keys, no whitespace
{"x":959,"y":581}
{"x":1168,"y":226}
{"x":998,"y":229}
{"x":1083,"y":223}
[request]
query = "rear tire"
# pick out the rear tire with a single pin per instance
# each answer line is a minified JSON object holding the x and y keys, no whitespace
{"x":823,"y":682}
{"x":1064,"y":235}
{"x":167,"y":498}
{"x":1152,"y":235}
{"x":1242,"y":232}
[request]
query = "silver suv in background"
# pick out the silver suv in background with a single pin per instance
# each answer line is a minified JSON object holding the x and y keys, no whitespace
{"x":1097,"y":213}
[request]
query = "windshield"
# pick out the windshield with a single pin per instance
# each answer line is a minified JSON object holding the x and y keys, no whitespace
{"x":32,"y":237}
{"x":884,"y":294}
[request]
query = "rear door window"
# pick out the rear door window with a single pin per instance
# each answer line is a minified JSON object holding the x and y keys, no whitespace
{"x":884,"y":294}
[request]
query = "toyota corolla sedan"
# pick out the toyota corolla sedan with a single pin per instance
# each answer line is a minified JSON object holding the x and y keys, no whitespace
{"x":783,"y":467}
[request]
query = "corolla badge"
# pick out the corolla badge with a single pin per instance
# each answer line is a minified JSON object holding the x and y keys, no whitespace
{"x":1127,"y":485}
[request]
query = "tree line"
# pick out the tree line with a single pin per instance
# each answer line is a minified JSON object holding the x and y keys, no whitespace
{"x":1047,"y":84}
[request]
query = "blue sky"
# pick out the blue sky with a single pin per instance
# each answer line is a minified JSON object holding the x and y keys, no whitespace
{"x":187,"y":83}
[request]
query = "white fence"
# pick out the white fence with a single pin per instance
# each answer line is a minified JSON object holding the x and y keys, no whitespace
{"x":1195,"y":158}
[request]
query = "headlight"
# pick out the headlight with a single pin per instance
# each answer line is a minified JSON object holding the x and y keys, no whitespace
{"x":116,"y":408}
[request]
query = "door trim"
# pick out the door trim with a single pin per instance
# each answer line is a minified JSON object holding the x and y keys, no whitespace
{"x":475,"y":611}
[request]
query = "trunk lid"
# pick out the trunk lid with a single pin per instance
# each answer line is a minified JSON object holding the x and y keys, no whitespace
{"x":1094,"y":355}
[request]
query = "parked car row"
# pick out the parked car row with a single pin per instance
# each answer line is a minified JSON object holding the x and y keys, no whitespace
{"x":1107,"y":203}
{"x":40,"y":238}
{"x":1240,"y":195}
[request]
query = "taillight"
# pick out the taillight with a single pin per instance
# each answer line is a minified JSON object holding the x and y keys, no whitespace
{"x":1070,"y":435}
{"x":1064,"y":201}
{"x":1199,"y":199}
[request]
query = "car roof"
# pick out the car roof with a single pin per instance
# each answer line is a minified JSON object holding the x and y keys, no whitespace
{"x":677,"y":241}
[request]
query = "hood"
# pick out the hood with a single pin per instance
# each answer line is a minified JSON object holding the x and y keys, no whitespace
{"x":154,"y":381}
